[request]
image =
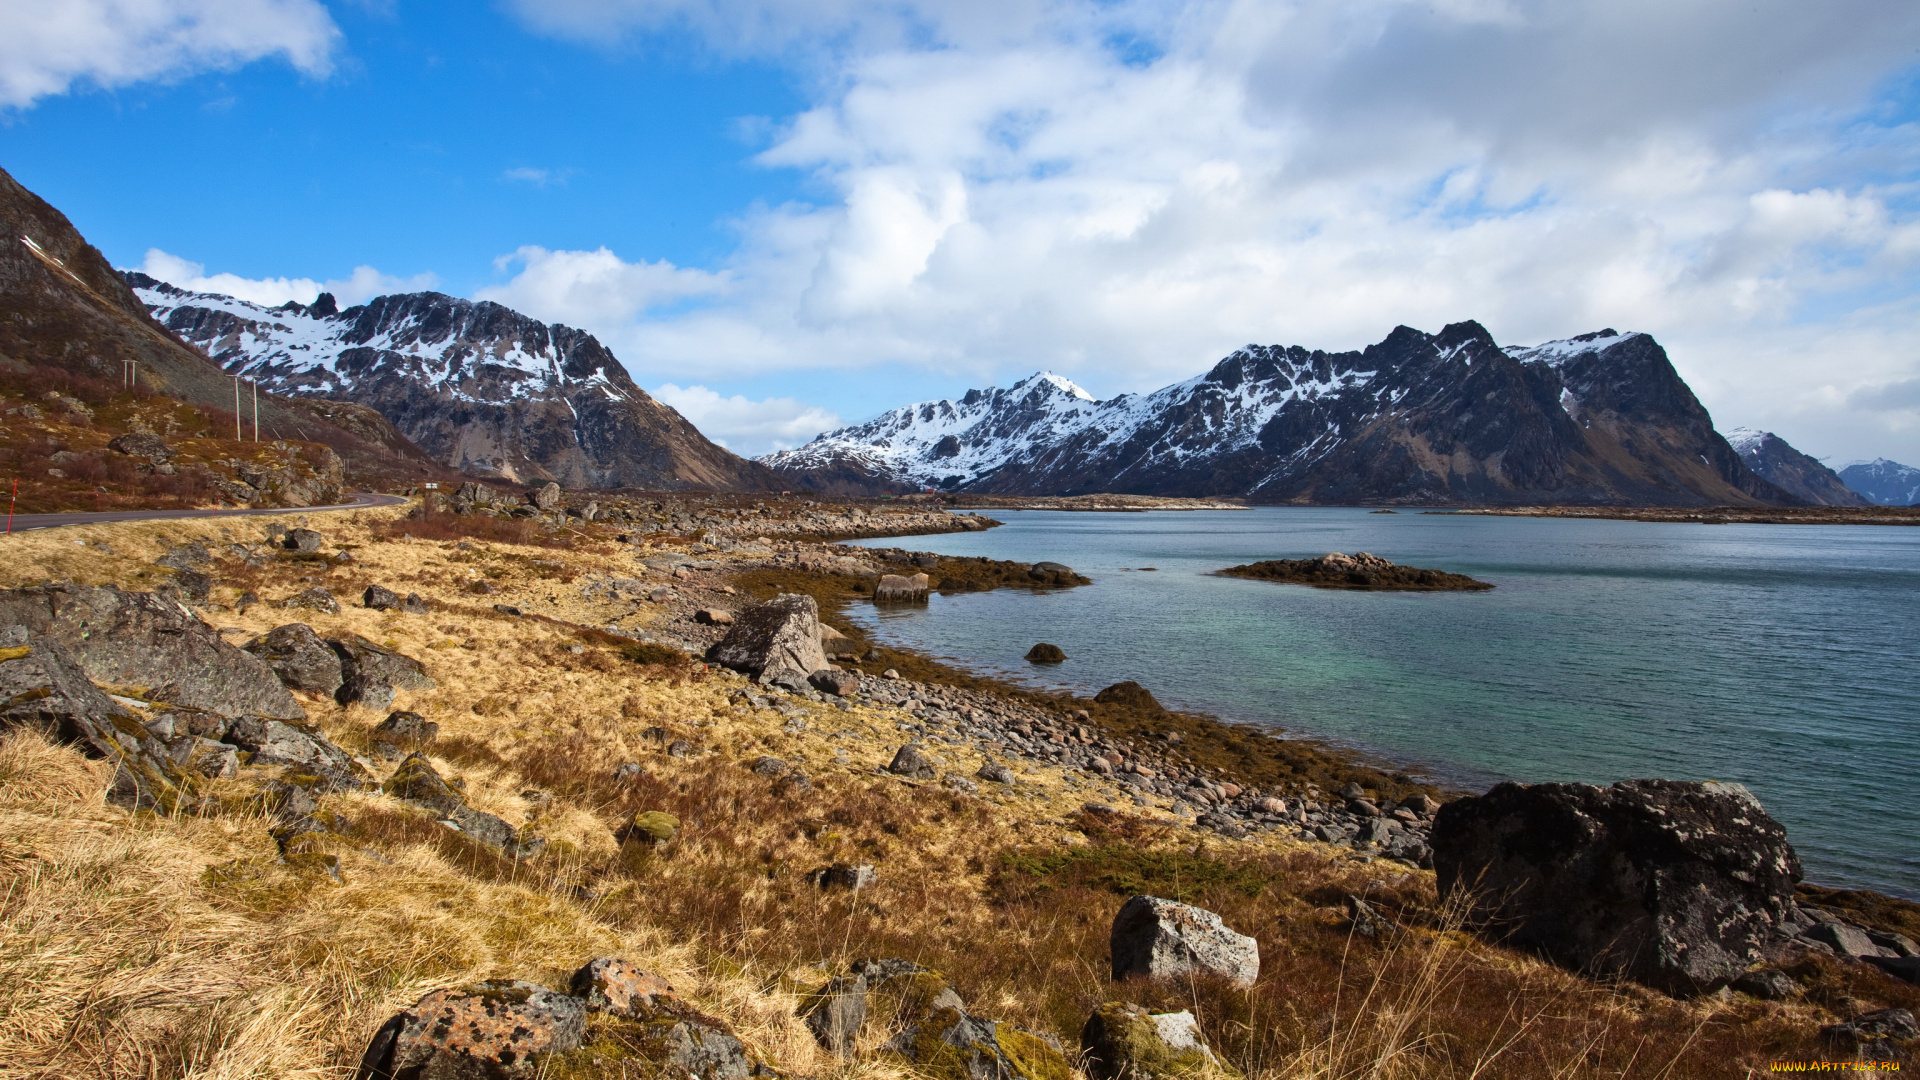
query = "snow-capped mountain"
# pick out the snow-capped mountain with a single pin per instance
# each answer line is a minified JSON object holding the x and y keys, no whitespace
{"x":1417,"y":418}
{"x":480,"y":387}
{"x":1774,"y":459}
{"x":1887,"y":483}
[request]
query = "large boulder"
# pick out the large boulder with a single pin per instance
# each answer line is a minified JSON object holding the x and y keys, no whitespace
{"x":495,"y":1030}
{"x":611,"y":985}
{"x":775,"y":641}
{"x":1123,"y":1041}
{"x":43,"y":688}
{"x":836,"y":1012}
{"x":124,"y":638}
{"x":371,"y":674}
{"x":1159,"y":938}
{"x":300,"y":659}
{"x":638,"y":1015}
{"x":1675,"y":884}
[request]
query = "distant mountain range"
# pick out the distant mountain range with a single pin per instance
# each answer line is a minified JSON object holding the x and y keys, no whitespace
{"x":1770,"y":456}
{"x":480,"y":387}
{"x":1887,"y":483}
{"x":1418,"y":418}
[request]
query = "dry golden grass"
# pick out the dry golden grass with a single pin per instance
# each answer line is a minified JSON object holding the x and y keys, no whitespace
{"x":139,"y":946}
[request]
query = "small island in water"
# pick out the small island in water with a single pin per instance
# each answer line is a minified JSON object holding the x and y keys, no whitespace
{"x":1357,"y":571}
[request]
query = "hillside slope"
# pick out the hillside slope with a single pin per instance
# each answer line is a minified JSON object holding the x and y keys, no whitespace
{"x":64,"y":307}
{"x":1417,"y":418}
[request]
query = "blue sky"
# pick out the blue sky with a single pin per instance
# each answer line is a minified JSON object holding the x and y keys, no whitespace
{"x":787,"y":214}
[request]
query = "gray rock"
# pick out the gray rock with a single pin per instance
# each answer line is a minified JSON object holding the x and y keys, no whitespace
{"x":299,"y":658}
{"x":416,"y":781}
{"x":1122,"y":1041}
{"x":319,"y":598}
{"x":380,"y":598}
{"x":1160,"y":938}
{"x":139,"y":639}
{"x":44,"y":688}
{"x":837,"y":683}
{"x":1900,"y":967}
{"x":141,"y":444}
{"x":836,"y":1012}
{"x":1767,"y":985}
{"x":191,"y":585}
{"x":900,"y":589}
{"x":496,"y":1030}
{"x":414,"y":604}
{"x":853,"y":876}
{"x":305,"y":541}
{"x":1874,"y":1026}
{"x":276,"y":742}
{"x":680,"y":748}
{"x":1676,"y":885}
{"x":402,"y":733}
{"x":1845,"y":940}
{"x":1352,"y":791}
{"x":627,"y":772}
{"x":546,"y":498}
{"x":908,"y":761}
{"x":780,"y":638}
{"x":1365,"y":920}
{"x":770,"y":766}
{"x":370,"y":674}
{"x":995,"y":772}
{"x":614,"y":986}
{"x":966,"y":1048}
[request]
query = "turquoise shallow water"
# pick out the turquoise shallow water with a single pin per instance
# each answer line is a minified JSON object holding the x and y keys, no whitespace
{"x":1783,"y":657}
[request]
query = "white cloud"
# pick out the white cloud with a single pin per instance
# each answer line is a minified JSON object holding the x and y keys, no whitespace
{"x":363,"y":284}
{"x":1125,"y":191}
{"x":537,"y":177}
{"x":747,"y":427}
{"x":46,"y":46}
{"x":593,"y":289}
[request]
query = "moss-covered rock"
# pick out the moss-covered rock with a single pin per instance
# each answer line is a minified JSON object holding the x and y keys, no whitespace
{"x":651,"y":827}
{"x":950,"y":1045}
{"x":1123,"y":1041}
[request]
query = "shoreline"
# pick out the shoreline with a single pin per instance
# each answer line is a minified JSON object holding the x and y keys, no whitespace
{"x":1712,"y":515}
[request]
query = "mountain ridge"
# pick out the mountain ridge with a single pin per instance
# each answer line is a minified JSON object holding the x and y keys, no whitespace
{"x":1883,"y":482}
{"x":1777,"y":461}
{"x":1442,"y":418}
{"x":480,"y":387}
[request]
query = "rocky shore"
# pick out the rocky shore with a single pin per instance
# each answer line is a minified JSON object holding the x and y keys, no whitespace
{"x":1358,"y":571}
{"x":604,"y":805}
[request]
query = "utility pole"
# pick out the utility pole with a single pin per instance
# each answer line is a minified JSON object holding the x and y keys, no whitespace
{"x":256,"y":410}
{"x":236,"y":408}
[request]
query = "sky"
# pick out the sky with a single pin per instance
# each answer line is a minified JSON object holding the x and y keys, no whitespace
{"x":790,"y":214}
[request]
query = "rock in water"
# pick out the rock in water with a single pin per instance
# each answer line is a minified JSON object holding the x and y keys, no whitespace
{"x":1044,"y":653}
{"x":898,"y":589}
{"x":1123,"y":1041}
{"x":775,"y":640}
{"x":139,"y":639}
{"x":1129,"y":695}
{"x":1158,"y":938}
{"x":298,"y":656}
{"x":496,"y":1030}
{"x":1674,"y":884}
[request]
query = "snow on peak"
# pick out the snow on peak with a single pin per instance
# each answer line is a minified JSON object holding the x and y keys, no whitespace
{"x":1745,"y":440}
{"x":1059,"y":382}
{"x":1559,"y":352}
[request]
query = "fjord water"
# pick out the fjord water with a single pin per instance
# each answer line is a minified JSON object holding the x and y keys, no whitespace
{"x":1782,"y":657}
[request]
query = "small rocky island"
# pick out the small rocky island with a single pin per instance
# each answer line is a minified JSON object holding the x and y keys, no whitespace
{"x":1357,"y":571}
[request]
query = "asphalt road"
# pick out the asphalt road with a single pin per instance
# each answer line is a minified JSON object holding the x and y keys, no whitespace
{"x":26,"y":522}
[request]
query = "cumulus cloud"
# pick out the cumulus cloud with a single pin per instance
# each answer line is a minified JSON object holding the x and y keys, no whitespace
{"x":748,"y":427}
{"x":47,"y":46}
{"x":363,"y":284}
{"x":596,"y":290}
{"x":1125,"y":191}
